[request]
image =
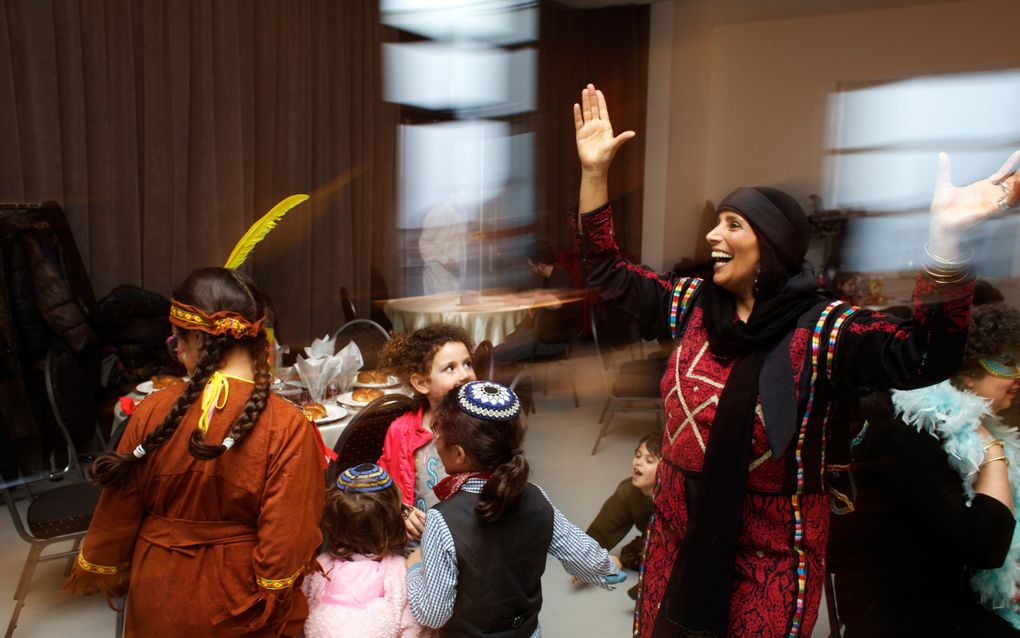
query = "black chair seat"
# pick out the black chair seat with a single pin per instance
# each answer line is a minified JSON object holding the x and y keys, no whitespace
{"x":63,"y":510}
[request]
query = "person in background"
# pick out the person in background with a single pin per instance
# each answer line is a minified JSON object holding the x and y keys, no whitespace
{"x":546,"y":329}
{"x":210,"y":510}
{"x":930,"y":546}
{"x":443,"y":247}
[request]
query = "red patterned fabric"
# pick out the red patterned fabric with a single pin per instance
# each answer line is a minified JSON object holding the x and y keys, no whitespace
{"x":765,"y":582}
{"x":872,"y":350}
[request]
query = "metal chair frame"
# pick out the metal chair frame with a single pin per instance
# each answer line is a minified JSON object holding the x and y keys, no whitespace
{"x":38,"y":544}
{"x":615,"y":403}
{"x":367,"y":323}
{"x":546,"y":361}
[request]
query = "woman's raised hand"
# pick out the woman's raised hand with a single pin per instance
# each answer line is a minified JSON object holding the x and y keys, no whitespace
{"x":956,"y":209}
{"x":596,"y":145}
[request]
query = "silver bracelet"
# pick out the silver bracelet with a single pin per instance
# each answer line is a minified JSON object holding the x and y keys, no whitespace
{"x":959,"y":262}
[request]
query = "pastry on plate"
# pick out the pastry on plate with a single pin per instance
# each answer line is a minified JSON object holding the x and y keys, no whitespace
{"x":366,"y":395}
{"x":314,"y":410}
{"x":373,"y":376}
{"x":160,"y":381}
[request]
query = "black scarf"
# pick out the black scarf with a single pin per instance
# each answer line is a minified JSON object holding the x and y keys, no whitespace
{"x":697,"y":599}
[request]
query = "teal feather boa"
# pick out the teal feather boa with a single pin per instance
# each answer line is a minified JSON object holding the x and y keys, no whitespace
{"x":950,"y":415}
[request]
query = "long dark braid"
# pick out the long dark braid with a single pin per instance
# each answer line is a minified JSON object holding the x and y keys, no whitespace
{"x":253,"y":407}
{"x":112,"y":468}
{"x":212,"y":290}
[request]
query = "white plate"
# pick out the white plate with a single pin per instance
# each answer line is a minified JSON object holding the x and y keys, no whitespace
{"x":347,"y":399}
{"x":390,"y":382}
{"x":145,"y":387}
{"x":334,"y":413}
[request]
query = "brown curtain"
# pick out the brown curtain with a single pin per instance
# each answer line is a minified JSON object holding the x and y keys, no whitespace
{"x":608,"y":47}
{"x":165,"y":127}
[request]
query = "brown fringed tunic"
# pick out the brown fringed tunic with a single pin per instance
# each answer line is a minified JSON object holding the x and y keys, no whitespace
{"x":210,"y":548}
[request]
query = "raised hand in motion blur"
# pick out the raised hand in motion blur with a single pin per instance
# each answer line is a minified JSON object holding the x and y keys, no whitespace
{"x":956,"y":209}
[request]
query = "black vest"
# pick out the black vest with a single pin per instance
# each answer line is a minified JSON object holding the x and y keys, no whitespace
{"x":499,"y":565}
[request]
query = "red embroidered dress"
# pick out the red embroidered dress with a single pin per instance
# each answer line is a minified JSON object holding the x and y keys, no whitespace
{"x":780,"y":561}
{"x":210,"y":548}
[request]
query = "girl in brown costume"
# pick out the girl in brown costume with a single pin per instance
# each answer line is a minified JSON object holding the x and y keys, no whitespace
{"x":211,"y":509}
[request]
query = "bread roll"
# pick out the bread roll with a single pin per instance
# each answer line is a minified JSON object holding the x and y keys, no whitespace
{"x":161,"y":381}
{"x":366,"y":395}
{"x":314,"y":410}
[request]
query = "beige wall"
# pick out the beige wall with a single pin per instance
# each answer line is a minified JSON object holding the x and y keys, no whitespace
{"x":748,"y":100}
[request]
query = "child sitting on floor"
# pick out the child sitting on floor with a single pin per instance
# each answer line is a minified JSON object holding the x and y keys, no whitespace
{"x":479,"y":569}
{"x":630,"y":506}
{"x":362,"y":590}
{"x":432,"y":360}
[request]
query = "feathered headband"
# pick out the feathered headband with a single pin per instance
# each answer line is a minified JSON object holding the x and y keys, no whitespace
{"x":221,"y":323}
{"x":191,"y":318}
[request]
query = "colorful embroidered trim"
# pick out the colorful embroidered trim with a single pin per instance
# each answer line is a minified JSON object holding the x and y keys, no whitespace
{"x":191,"y":318}
{"x":278,"y":584}
{"x":830,"y":359}
{"x":96,"y":569}
{"x":682,"y":293}
{"x":798,"y":518}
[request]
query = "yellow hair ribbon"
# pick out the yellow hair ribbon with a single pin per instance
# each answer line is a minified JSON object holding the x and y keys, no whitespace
{"x":214,"y":397}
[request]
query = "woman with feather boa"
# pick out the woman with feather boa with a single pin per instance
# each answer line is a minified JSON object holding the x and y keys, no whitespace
{"x":931,"y":546}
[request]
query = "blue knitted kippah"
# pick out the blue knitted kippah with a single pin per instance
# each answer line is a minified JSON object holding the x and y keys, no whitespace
{"x":488,"y":401}
{"x":367,"y":477}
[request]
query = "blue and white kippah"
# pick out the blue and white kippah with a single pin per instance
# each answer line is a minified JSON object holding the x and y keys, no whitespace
{"x":488,"y":401}
{"x":367,"y":477}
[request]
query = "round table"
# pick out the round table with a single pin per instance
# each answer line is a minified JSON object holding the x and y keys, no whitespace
{"x":484,"y":316}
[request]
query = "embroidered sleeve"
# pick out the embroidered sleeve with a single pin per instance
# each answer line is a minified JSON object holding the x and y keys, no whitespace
{"x":103,"y":570}
{"x":879,"y":351}
{"x":631,"y":288}
{"x":276,"y":584}
{"x":288,"y":522}
{"x":103,"y":561}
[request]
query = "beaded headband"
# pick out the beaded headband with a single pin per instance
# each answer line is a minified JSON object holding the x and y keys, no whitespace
{"x":367,"y":477}
{"x":1003,"y":366}
{"x":488,"y":401}
{"x":221,"y":323}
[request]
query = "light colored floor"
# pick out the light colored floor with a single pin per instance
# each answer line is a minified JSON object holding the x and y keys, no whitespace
{"x":558,"y":447}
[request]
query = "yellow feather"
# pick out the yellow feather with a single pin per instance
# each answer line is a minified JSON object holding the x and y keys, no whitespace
{"x":260,"y":229}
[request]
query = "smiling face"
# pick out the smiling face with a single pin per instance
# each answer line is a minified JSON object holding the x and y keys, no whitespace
{"x":735,"y":252}
{"x":643,"y":468}
{"x":996,"y":389}
{"x":451,"y":367}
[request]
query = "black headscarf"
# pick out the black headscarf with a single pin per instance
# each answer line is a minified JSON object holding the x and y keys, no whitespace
{"x":697,"y":599}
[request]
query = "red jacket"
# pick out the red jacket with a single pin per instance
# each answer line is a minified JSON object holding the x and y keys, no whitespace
{"x":403,"y":438}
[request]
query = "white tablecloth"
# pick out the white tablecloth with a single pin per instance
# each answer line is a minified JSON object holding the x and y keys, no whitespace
{"x":484,"y":316}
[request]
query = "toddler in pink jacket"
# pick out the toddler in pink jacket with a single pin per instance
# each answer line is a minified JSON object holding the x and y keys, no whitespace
{"x":361,"y":590}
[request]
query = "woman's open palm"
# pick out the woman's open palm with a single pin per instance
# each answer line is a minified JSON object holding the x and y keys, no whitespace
{"x":958,"y":208}
{"x":596,"y":145}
